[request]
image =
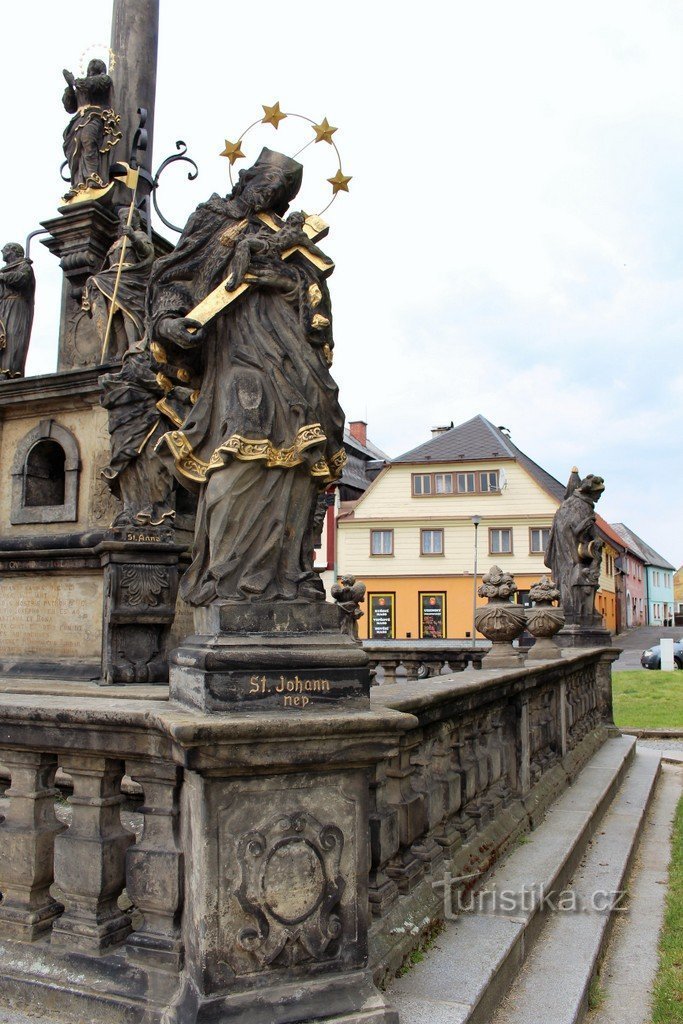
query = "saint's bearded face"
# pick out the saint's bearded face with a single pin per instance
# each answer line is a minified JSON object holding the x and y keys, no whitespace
{"x":265,"y":192}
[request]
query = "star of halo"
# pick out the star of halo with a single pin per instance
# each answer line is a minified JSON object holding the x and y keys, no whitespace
{"x":340,"y":182}
{"x":273,"y":115}
{"x":324,"y":131}
{"x":233,"y":151}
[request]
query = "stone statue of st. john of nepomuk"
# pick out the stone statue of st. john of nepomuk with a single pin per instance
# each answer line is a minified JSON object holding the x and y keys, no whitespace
{"x":266,"y":431}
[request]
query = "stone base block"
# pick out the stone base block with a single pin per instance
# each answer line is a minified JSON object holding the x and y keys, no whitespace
{"x":503,"y":655}
{"x":264,"y":657}
{"x":583,"y":636}
{"x":545,"y":649}
{"x":349,"y":998}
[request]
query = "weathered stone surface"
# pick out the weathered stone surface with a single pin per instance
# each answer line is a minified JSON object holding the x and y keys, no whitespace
{"x":51,"y":615}
{"x":267,"y":811}
{"x":90,"y":857}
{"x":27,"y":841}
{"x":287,"y":655}
{"x":140,"y":588}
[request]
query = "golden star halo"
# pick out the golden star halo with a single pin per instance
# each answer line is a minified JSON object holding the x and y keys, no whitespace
{"x":273,"y":115}
{"x":324,"y":131}
{"x":233,"y":151}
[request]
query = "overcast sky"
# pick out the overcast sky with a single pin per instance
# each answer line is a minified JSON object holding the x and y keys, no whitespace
{"x":512,"y":242}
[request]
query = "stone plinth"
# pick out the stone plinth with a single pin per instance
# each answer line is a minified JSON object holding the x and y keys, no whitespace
{"x":80,"y":237}
{"x":251,"y":874}
{"x":260,"y":657}
{"x":572,"y":635}
{"x":277,"y":879}
{"x":140,"y":589}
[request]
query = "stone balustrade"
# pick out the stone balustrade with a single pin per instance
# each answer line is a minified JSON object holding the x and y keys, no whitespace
{"x":406,"y":660}
{"x":158,"y":917}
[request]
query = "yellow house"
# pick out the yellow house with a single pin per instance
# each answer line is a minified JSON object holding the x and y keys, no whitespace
{"x":413,"y":537}
{"x":678,"y":593}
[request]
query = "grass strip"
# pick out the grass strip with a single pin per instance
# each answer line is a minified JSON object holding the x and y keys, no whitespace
{"x":668,"y":988}
{"x":648,"y":699}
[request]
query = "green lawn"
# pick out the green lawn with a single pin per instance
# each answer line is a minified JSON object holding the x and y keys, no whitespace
{"x":648,"y":699}
{"x":668,"y":992}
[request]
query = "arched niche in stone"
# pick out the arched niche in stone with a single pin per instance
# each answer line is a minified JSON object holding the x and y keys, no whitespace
{"x":45,"y":476}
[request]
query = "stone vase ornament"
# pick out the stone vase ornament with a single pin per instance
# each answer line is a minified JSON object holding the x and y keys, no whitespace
{"x":543,"y":621}
{"x":500,"y":621}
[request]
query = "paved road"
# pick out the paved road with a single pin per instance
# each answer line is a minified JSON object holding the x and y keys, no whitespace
{"x":637,"y":640}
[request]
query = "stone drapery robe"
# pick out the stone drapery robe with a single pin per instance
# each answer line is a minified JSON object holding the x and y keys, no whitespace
{"x":266,"y":431}
{"x":574,"y":556}
{"x":17,"y":295}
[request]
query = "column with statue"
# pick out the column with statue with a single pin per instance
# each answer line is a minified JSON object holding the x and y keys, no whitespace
{"x":240,"y":311}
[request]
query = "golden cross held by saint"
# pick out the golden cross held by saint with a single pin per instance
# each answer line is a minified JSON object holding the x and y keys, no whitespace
{"x":314,"y":227}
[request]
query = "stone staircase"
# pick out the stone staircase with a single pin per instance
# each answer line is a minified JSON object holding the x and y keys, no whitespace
{"x":507,"y":960}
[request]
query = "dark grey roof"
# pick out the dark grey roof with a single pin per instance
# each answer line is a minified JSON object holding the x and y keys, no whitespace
{"x":648,"y":554}
{"x":354,"y":473}
{"x":369,"y":450}
{"x":479,"y":439}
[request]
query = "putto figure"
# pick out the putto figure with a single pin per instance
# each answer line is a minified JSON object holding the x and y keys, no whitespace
{"x":574,"y":552}
{"x":93,"y":131}
{"x":17,"y":296}
{"x":266,"y":431}
{"x":128,"y":320}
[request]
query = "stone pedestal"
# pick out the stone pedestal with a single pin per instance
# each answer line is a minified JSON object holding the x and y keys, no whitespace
{"x":80,"y":237}
{"x":140,"y":589}
{"x":572,"y":635}
{"x":276,"y":877}
{"x":261,"y":657}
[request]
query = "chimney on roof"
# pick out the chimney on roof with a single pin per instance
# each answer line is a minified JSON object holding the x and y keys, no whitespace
{"x":441,"y":430}
{"x":359,"y":431}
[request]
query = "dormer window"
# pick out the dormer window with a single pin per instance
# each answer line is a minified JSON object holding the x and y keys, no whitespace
{"x":428,"y":485}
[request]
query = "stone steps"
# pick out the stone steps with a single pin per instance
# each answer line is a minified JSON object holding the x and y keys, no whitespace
{"x":555,"y":982}
{"x":477,"y":960}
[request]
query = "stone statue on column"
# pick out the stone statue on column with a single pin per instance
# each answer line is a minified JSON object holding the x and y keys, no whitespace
{"x":17,"y":295}
{"x":574,"y":554}
{"x":266,"y":434}
{"x":92,"y":132}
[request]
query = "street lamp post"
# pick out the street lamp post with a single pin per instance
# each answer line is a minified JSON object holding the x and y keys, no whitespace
{"x":475,"y":522}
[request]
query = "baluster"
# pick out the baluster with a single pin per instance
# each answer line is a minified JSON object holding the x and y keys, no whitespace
{"x":390,"y":668}
{"x":384,"y":843}
{"x":412,"y":667}
{"x":27,"y":839}
{"x":90,"y":857}
{"x":155,"y":867}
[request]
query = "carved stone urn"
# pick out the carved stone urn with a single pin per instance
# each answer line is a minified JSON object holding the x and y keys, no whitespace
{"x":499,"y":620}
{"x":543,"y":621}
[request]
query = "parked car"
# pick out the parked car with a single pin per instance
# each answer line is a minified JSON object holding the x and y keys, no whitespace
{"x":652,"y":657}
